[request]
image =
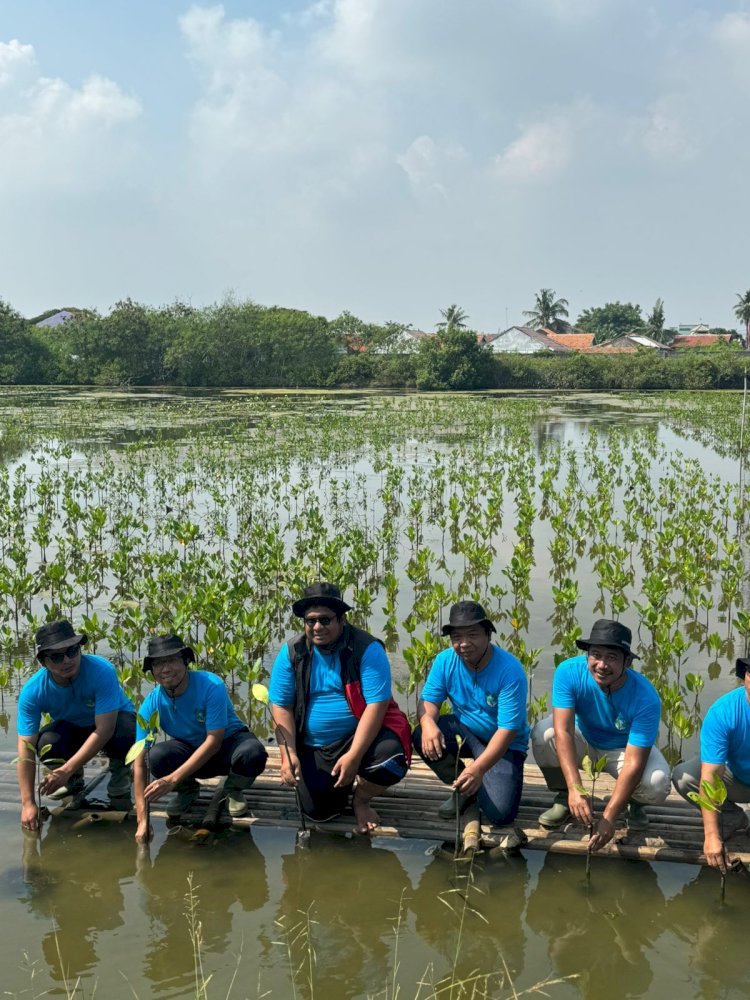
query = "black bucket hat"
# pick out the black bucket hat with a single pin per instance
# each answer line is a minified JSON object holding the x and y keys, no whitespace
{"x":326,"y":595}
{"x":741,"y":666}
{"x":57,"y":635}
{"x":608,"y":633}
{"x":464,"y":614}
{"x":166,"y":645}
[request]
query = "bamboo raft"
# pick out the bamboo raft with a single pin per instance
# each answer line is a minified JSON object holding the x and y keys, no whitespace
{"x":409,"y":810}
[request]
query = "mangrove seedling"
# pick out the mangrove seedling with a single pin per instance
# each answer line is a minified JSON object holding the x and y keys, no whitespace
{"x":41,"y":763}
{"x":712,"y":797}
{"x":592,"y":770}
{"x":151,"y":728}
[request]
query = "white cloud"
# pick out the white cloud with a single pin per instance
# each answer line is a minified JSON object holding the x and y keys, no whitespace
{"x":430,"y":166}
{"x":732,"y":34}
{"x":665,"y":136}
{"x":542,"y":151}
{"x":16,"y":61}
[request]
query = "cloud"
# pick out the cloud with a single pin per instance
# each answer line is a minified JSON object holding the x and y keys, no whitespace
{"x":732,"y":35}
{"x":16,"y":61}
{"x":665,"y":136}
{"x":430,"y":166}
{"x":542,"y":151}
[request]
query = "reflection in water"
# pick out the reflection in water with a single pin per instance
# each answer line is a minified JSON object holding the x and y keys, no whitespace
{"x":227,"y":874}
{"x":74,"y":883}
{"x":602,"y":932}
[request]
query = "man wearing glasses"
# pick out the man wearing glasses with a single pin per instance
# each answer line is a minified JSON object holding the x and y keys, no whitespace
{"x":602,"y":708}
{"x":90,"y":712}
{"x":331,"y":696}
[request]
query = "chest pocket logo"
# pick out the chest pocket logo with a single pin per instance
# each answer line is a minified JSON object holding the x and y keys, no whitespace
{"x":200,"y":715}
{"x":90,"y":703}
{"x":620,"y":723}
{"x":491,"y":700}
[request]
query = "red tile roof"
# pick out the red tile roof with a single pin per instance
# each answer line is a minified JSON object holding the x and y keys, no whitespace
{"x":700,"y":339}
{"x":575,"y":341}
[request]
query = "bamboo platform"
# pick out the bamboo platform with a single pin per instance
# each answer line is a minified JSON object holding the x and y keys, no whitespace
{"x":409,"y":810}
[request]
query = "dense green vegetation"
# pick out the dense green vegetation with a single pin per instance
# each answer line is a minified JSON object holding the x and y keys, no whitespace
{"x":245,"y":344}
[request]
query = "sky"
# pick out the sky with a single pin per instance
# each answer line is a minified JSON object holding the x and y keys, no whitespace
{"x":385,"y":157}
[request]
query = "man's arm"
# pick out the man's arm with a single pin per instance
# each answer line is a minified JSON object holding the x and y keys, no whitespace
{"x":433,"y":741}
{"x":104,"y":727}
{"x":143,"y":831}
{"x":346,"y":767}
{"x":713,"y":845}
{"x":627,"y":781}
{"x":469,"y":780}
{"x":564,"y":722}
{"x":283,"y":718}
{"x":210,"y":746}
{"x":26,"y":772}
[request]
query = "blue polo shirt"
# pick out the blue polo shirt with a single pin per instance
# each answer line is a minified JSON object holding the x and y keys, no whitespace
{"x":492,"y":699}
{"x":725,"y":734}
{"x":608,"y":721}
{"x":203,"y":707}
{"x":95,"y":691}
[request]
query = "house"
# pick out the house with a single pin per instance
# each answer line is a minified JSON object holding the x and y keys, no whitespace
{"x":693,"y":340}
{"x":57,"y":319}
{"x":575,"y":341}
{"x":629,"y":343}
{"x":525,"y":340}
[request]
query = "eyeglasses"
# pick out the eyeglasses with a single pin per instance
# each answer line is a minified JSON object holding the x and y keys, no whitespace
{"x":322,"y":620}
{"x":71,"y":652}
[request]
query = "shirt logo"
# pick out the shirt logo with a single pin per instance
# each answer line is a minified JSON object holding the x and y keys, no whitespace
{"x":620,"y":723}
{"x":90,"y":703}
{"x":491,"y":700}
{"x":200,"y":715}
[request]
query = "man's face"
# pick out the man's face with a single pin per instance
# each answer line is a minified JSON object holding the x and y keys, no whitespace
{"x":322,"y":627}
{"x":63,"y":664}
{"x":470,"y":643}
{"x":607,"y":664}
{"x":168,"y":670}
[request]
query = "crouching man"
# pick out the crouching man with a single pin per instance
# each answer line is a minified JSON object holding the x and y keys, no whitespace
{"x":90,"y":712}
{"x":603,"y":708}
{"x":724,"y":753}
{"x":487,"y":690}
{"x":330,"y":693}
{"x":206,"y":736}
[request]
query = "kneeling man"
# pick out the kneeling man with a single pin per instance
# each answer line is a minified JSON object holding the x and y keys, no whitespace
{"x":725,"y":752}
{"x":487,"y":690}
{"x":330,"y":694}
{"x":603,"y":708}
{"x":206,"y":736}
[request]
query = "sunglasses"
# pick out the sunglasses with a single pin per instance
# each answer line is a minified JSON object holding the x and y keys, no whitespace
{"x":323,"y":620}
{"x":71,"y":652}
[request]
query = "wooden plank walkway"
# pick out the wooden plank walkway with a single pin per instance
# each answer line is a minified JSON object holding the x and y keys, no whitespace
{"x":409,"y":810}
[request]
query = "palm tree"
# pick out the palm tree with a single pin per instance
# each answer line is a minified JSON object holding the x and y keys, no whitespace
{"x":548,"y":311}
{"x":454,"y":317}
{"x":742,"y":312}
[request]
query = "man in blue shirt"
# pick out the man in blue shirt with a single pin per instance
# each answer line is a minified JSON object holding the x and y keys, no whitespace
{"x":330,"y":694}
{"x":724,"y":753}
{"x":206,"y":736}
{"x":487,"y":689}
{"x":603,"y":708}
{"x":90,"y":712}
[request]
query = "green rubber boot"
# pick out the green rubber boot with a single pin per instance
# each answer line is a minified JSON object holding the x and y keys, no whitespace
{"x":119,"y":780}
{"x":234,"y":787}
{"x":636,"y":819}
{"x":558,"y":813}
{"x":184,"y":796}
{"x":74,"y":786}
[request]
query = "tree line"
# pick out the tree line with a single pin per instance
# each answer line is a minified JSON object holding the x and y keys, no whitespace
{"x":245,"y":344}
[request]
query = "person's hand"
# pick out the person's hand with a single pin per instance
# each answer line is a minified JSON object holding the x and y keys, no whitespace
{"x":433,"y":741}
{"x":55,"y":779}
{"x":30,"y":817}
{"x":144,"y":832}
{"x":345,"y":769}
{"x":580,"y":805}
{"x":158,"y":788}
{"x":291,"y":770}
{"x":604,"y":832}
{"x":713,"y":848}
{"x":469,"y":781}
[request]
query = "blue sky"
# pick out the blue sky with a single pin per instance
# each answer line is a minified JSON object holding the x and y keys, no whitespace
{"x":388,"y":157}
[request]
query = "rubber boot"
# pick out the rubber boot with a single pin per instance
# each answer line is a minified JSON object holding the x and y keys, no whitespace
{"x":73,"y":786}
{"x":185,"y":795}
{"x":234,"y":786}
{"x":445,"y":769}
{"x":119,"y":780}
{"x":636,"y":819}
{"x":733,"y":821}
{"x":558,"y":813}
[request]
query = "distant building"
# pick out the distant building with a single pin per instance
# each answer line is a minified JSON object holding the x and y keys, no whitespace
{"x":56,"y":319}
{"x":692,"y":340}
{"x":629,"y":343}
{"x":525,"y":340}
{"x":574,"y":341}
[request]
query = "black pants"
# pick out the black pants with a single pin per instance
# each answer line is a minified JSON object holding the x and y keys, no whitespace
{"x":65,"y":739}
{"x":384,"y":763}
{"x":242,"y":754}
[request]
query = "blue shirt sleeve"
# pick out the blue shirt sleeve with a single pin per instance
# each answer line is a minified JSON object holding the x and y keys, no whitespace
{"x":435,"y":689}
{"x":148,"y":707}
{"x":29,"y":713}
{"x":644,"y":728}
{"x":715,"y":736}
{"x":563,"y":688}
{"x":511,"y":702}
{"x":375,"y":672}
{"x":282,"y":689}
{"x":217,"y":705}
{"x":108,"y":694}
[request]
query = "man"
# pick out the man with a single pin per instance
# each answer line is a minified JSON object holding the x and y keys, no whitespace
{"x":90,"y":712}
{"x":724,"y":753}
{"x":603,"y":708}
{"x":330,"y":693}
{"x":206,"y":736}
{"x":487,"y":690}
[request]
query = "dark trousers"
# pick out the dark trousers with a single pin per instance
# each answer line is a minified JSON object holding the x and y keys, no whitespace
{"x":242,"y":754}
{"x":499,"y":796}
{"x":65,"y":739}
{"x":384,"y":763}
